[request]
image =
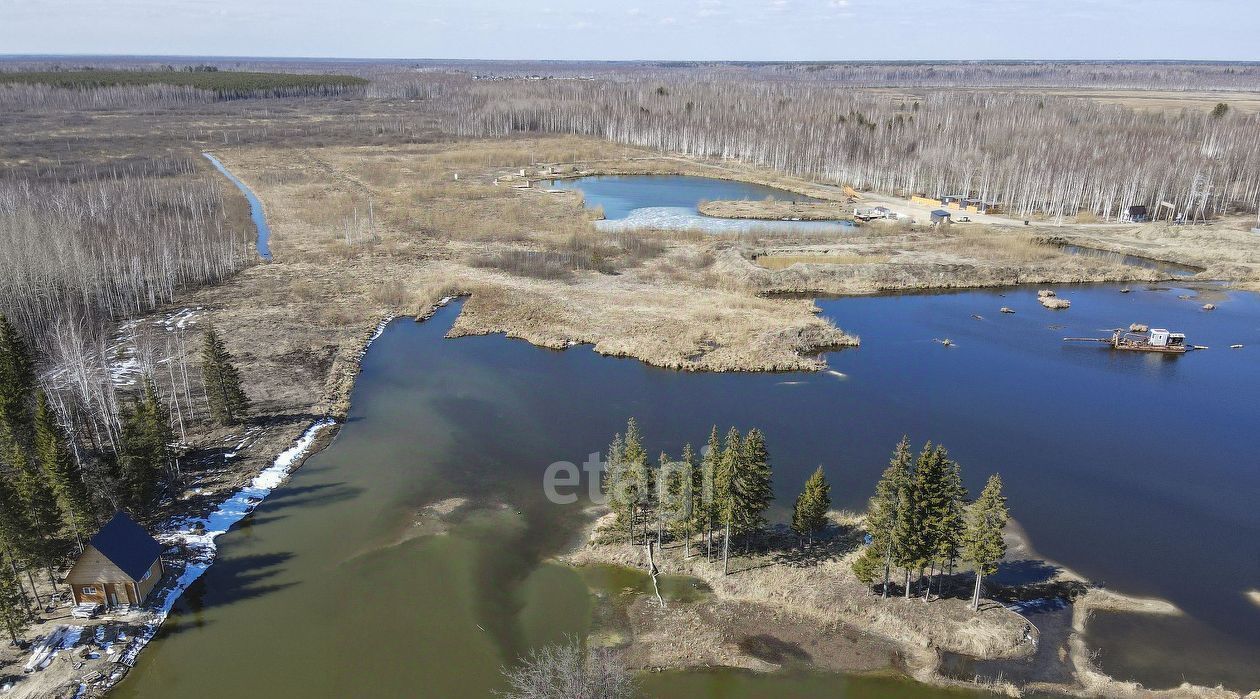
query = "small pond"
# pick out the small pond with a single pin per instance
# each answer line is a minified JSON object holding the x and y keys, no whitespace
{"x":669,"y":202}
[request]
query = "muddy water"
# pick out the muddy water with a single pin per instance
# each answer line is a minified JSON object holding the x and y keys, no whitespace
{"x":1136,"y":470}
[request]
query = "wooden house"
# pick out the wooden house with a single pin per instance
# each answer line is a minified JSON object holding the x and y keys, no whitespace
{"x":120,"y":565}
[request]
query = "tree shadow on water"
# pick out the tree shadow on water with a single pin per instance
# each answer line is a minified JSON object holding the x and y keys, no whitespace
{"x":314,"y":495}
{"x":227,"y":581}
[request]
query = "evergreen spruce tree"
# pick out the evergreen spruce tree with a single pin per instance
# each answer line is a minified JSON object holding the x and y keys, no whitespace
{"x":145,"y":450}
{"x":729,"y":465}
{"x":635,"y":476}
{"x":17,"y":388}
{"x":883,"y":515}
{"x":755,"y":486}
{"x":53,"y":457}
{"x":810,"y":513}
{"x":695,"y":491}
{"x":619,"y":499}
{"x":949,"y":542}
{"x":14,"y":612}
{"x":222,"y":382}
{"x":710,"y":497}
{"x":680,"y":498}
{"x":933,"y":498}
{"x":15,"y":532}
{"x":983,"y":545}
{"x":43,"y":543}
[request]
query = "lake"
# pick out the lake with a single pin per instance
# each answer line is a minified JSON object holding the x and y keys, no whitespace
{"x":669,"y":202}
{"x":1133,"y":469}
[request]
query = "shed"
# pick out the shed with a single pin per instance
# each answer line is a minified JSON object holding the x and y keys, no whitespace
{"x":940,"y":216}
{"x":120,"y":565}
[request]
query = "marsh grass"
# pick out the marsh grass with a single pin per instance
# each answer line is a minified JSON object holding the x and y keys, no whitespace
{"x":778,"y":262}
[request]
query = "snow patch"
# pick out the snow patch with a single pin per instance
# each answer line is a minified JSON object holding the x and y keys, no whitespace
{"x":197,"y":534}
{"x":681,"y":218}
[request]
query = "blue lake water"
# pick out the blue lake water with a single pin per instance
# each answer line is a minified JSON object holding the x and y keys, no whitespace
{"x":255,"y":208}
{"x":669,"y":202}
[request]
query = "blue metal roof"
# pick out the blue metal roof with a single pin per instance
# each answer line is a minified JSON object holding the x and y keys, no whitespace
{"x":127,"y":545}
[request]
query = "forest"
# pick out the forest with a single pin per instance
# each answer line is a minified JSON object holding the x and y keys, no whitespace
{"x":64,"y":470}
{"x":1039,"y":156}
{"x":223,"y":84}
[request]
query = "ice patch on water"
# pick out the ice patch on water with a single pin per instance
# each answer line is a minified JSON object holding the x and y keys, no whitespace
{"x":681,"y":218}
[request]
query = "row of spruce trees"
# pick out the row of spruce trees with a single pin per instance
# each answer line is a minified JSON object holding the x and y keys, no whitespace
{"x":49,"y":505}
{"x":919,"y":519}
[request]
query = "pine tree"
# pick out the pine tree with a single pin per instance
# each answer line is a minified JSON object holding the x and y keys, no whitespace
{"x":53,"y":457}
{"x":883,"y":513}
{"x":222,"y":382}
{"x":983,"y":545}
{"x":810,"y":513}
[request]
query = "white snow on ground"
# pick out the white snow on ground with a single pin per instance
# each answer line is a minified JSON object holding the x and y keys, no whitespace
{"x":59,"y":638}
{"x":380,"y":328}
{"x":199,"y":540}
{"x":126,"y":370}
{"x":681,"y":218}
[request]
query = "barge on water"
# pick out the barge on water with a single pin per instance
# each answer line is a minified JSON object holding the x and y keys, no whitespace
{"x":1154,"y":340}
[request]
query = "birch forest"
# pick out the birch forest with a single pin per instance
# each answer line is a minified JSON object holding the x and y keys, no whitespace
{"x":1036,"y":155}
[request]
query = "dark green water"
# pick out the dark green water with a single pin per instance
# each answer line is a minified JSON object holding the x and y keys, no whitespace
{"x":737,"y":684}
{"x":1138,"y":470}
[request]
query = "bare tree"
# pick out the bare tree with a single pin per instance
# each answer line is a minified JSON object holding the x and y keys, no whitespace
{"x":565,"y":671}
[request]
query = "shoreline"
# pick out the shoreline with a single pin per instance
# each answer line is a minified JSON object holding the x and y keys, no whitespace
{"x":660,"y":641}
{"x":330,"y":359}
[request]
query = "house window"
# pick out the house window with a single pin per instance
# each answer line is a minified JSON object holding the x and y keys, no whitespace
{"x":89,"y":590}
{"x":147,"y":573}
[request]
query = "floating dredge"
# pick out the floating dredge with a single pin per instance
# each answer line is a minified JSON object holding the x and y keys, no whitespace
{"x":1153,"y":340}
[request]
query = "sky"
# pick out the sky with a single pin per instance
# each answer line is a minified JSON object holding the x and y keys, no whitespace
{"x":639,"y":29}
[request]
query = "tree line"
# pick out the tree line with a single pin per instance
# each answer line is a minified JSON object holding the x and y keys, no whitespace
{"x":919,"y":519}
{"x":56,"y":487}
{"x":1033,"y":154}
